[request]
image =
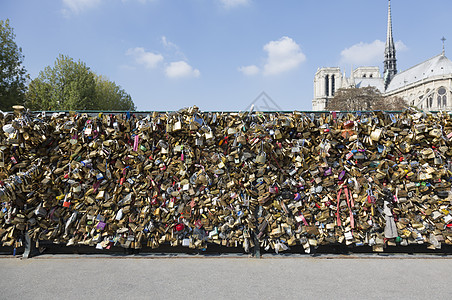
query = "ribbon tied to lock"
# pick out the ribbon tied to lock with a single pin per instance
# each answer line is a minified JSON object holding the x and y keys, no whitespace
{"x":136,"y":143}
{"x":350,"y":204}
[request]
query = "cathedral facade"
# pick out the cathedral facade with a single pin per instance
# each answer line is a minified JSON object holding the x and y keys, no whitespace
{"x":427,"y":85}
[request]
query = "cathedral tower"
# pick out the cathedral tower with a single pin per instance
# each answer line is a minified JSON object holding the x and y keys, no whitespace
{"x":390,"y":66}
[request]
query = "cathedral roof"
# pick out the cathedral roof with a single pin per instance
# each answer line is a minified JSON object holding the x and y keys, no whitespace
{"x":375,"y":82}
{"x":435,"y":66}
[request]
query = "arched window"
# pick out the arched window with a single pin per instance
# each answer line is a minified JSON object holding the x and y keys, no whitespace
{"x":442,"y":97}
{"x":429,"y":101}
{"x":364,"y":75}
{"x":371,"y":76}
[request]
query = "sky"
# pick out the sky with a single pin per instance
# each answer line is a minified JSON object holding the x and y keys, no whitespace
{"x":220,"y":55}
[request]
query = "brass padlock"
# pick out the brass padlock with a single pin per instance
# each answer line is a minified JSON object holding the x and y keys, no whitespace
{"x":261,"y":158}
{"x":241,"y":139}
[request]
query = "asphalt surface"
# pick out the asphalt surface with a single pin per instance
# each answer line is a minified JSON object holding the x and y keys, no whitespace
{"x":226,"y":277}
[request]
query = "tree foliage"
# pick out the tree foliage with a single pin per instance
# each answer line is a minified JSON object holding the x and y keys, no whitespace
{"x":395,"y":103}
{"x":364,"y":99}
{"x":111,"y":96}
{"x":13,"y":75}
{"x":71,"y":85}
{"x":68,"y":85}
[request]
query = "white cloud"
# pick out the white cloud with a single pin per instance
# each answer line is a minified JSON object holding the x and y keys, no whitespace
{"x":249,"y":70}
{"x":282,"y":55}
{"x":148,"y":59}
{"x":168,"y":44}
{"x":181,"y":69}
{"x":367,"y":53}
{"x":76,"y":6}
{"x":400,"y":46}
{"x":172,"y":48}
{"x":234,"y":3}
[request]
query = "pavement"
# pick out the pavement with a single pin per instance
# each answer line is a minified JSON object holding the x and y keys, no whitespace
{"x":226,"y":277}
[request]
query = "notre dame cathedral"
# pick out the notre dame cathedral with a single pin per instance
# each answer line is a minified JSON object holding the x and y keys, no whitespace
{"x":427,"y":85}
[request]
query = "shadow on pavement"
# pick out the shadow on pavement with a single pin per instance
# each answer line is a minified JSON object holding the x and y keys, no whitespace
{"x":218,"y":250}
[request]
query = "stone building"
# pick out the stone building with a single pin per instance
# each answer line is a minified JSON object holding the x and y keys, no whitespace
{"x":427,"y":85}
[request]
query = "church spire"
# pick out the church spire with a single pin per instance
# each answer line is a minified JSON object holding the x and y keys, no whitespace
{"x":390,"y":66}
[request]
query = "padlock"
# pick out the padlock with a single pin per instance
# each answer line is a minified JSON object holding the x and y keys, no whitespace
{"x":209,"y":134}
{"x":261,"y":158}
{"x":376,"y":135}
{"x":177,"y":125}
{"x":89,"y":129}
{"x":199,"y":141}
{"x":311,"y":155}
{"x":241,"y":139}
{"x":232,"y":130}
{"x":169,"y":127}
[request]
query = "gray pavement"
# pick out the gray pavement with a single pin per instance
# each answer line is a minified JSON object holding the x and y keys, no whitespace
{"x":226,"y":277}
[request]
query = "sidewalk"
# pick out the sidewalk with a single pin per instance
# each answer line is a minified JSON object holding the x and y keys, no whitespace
{"x":226,"y":277}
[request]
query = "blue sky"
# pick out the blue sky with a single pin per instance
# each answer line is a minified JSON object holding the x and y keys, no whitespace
{"x":221,"y":54}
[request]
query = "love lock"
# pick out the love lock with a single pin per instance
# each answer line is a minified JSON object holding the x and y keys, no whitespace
{"x":133,"y":179}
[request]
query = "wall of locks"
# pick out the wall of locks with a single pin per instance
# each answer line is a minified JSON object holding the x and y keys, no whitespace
{"x":190,"y":178}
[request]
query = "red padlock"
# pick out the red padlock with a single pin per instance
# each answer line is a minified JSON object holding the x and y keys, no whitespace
{"x":179,"y":227}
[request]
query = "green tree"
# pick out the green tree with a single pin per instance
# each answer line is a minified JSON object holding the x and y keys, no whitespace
{"x":68,"y":85}
{"x":112,"y":97}
{"x":13,"y":76}
{"x":71,"y":85}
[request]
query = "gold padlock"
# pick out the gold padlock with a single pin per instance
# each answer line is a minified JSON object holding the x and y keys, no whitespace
{"x":261,"y":158}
